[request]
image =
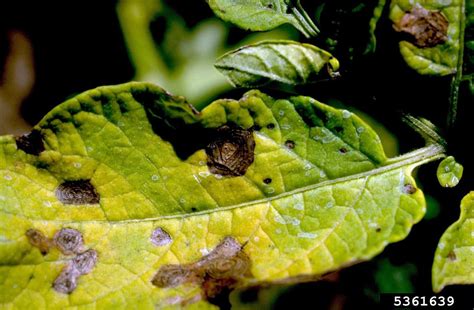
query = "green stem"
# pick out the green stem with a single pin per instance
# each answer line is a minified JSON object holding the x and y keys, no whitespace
{"x":306,"y":25}
{"x":456,"y":81}
{"x":134,"y":18}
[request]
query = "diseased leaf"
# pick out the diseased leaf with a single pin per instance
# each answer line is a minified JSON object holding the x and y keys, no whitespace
{"x":433,"y":30}
{"x":276,"y":61}
{"x":124,"y":206}
{"x":262,"y":15}
{"x":454,"y":257}
{"x":449,"y":172}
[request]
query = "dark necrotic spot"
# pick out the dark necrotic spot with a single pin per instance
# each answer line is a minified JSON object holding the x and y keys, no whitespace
{"x":343,"y":150}
{"x":77,"y":193}
{"x":267,"y":181}
{"x":37,"y":239}
{"x":270,"y":126}
{"x":66,"y":282}
{"x":160,"y":237}
{"x":193,"y":209}
{"x":31,"y":143}
{"x":338,"y":129}
{"x":409,"y":189}
{"x":290,"y":144}
{"x":231,"y":152}
{"x":69,"y":241}
{"x":424,"y":28}
{"x":452,"y":256}
{"x":85,"y":262}
{"x":172,"y":275}
{"x":378,"y":229}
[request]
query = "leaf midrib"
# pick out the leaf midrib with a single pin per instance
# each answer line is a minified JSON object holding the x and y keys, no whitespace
{"x":412,"y":159}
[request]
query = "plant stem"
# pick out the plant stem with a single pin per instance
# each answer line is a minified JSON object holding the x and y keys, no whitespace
{"x":306,"y":25}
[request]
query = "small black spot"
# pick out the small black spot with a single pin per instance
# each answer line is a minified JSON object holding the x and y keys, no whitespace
{"x":271,"y":126}
{"x":31,"y":143}
{"x":290,"y":144}
{"x":452,"y":256}
{"x":270,"y":6}
{"x":409,"y":189}
{"x":256,"y":128}
{"x":77,"y":193}
{"x":343,"y":150}
{"x":267,"y":181}
{"x":193,"y":209}
{"x":338,"y":129}
{"x":378,"y":229}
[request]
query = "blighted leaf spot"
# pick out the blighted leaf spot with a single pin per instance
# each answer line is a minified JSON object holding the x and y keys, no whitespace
{"x":31,"y":143}
{"x":267,"y":181}
{"x":426,"y":28}
{"x":217,"y":272}
{"x":290,"y":144}
{"x":85,"y":262}
{"x":378,"y":229}
{"x":343,"y":150}
{"x":172,"y":275}
{"x":66,"y":282}
{"x":452,"y":256}
{"x":231,"y":152}
{"x":271,"y":126}
{"x":69,"y":241}
{"x":77,"y":193}
{"x":409,"y":189}
{"x":37,"y":239}
{"x":160,"y":237}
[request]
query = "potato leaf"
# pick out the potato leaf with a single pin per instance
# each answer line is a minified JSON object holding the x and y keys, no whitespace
{"x":281,"y":61}
{"x":262,"y":15}
{"x":126,"y":195}
{"x":449,"y":172}
{"x":434,"y":31}
{"x":454,"y":257}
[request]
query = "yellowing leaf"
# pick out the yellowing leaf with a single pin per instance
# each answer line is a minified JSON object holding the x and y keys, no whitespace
{"x":454,"y":257}
{"x":435,"y":30}
{"x":126,"y":195}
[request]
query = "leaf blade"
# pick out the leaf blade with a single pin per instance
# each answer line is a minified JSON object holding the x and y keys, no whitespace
{"x":453,"y":261}
{"x":281,"y":61}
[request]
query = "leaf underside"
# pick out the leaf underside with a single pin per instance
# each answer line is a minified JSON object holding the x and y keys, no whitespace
{"x":128,"y":169}
{"x":454,"y":257}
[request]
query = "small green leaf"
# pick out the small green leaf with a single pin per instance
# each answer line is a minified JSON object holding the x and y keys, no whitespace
{"x":449,"y":172}
{"x":281,"y":61}
{"x":126,"y":195}
{"x":435,"y":28}
{"x":454,"y":257}
{"x":262,"y":15}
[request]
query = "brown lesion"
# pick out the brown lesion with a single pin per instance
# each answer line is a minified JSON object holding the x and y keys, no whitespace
{"x":426,"y":28}
{"x":77,"y":192}
{"x":231,"y":152}
{"x":31,"y":143}
{"x":217,"y":273}
{"x":69,"y":242}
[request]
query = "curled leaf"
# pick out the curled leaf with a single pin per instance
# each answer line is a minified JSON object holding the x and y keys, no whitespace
{"x":318,"y":195}
{"x":454,"y":257}
{"x":262,"y":15}
{"x":449,"y":172}
{"x":281,"y":61}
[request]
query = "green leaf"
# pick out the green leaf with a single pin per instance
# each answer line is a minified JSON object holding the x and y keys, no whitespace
{"x":275,"y":61}
{"x":433,"y":49}
{"x":454,"y":257}
{"x":262,"y":15}
{"x":377,"y":13}
{"x":449,"y":172}
{"x":126,"y":195}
